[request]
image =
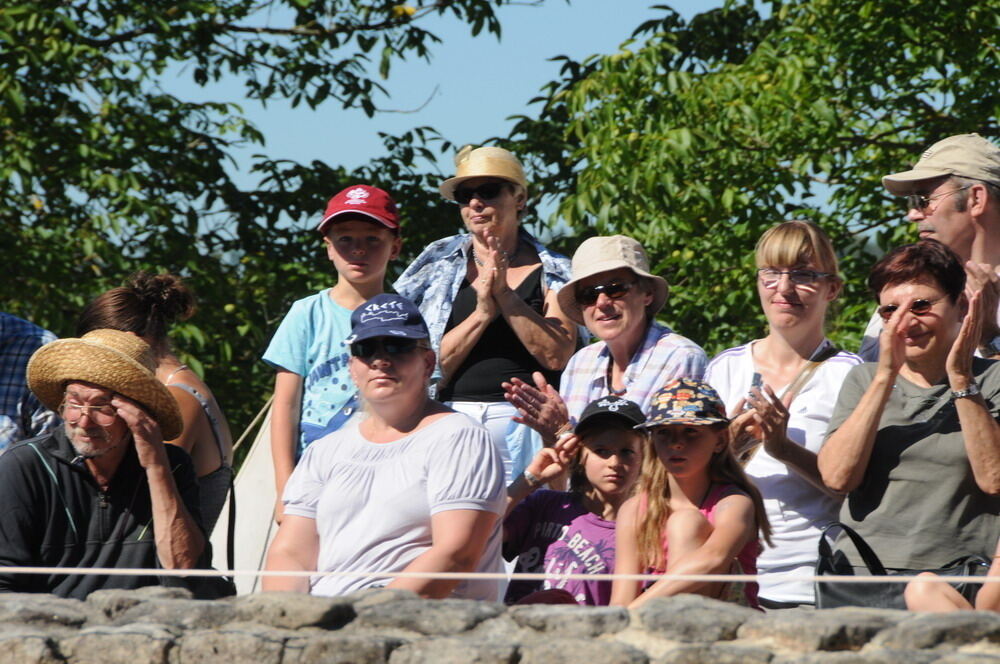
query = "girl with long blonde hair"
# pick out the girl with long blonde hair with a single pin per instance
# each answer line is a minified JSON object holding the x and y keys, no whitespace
{"x":696,"y":511}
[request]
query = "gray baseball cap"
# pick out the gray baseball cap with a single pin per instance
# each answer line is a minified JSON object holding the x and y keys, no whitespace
{"x":964,"y":155}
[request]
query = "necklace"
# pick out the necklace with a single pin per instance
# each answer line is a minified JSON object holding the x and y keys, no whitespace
{"x":507,"y":257}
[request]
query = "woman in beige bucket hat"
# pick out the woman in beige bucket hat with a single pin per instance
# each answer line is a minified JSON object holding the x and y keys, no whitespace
{"x":489,"y":298}
{"x":615,"y":295}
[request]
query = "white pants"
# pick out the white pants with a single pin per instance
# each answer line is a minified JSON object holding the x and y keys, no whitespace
{"x":495,"y":416}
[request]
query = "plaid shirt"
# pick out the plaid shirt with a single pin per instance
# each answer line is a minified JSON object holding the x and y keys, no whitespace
{"x":21,"y":415}
{"x":663,"y":356}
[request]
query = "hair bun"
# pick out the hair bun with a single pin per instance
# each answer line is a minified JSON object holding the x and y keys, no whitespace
{"x":166,"y":294}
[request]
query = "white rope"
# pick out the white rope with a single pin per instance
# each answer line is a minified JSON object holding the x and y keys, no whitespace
{"x":143,"y":571}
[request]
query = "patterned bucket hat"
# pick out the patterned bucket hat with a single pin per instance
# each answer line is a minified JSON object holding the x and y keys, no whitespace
{"x":685,"y":401}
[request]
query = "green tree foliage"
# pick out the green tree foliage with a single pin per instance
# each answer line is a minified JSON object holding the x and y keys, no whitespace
{"x":106,"y":172}
{"x":696,"y":136}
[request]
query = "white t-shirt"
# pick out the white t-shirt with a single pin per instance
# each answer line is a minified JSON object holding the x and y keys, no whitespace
{"x":373,"y":502}
{"x":796,"y":509}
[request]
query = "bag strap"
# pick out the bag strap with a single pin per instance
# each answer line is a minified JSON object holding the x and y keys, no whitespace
{"x":55,"y":482}
{"x":872,"y":562}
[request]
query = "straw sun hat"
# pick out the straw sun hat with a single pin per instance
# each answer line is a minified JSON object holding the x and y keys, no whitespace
{"x":117,"y":361}
{"x":604,"y":254}
{"x":485,"y":162}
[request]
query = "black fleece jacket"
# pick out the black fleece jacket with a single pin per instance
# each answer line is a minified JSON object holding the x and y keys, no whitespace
{"x":53,"y":514}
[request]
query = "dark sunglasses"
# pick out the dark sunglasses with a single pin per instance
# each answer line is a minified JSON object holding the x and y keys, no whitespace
{"x":484,"y":192}
{"x":613,"y":289}
{"x":917,"y":307}
{"x":922,"y":202}
{"x":367,"y":348}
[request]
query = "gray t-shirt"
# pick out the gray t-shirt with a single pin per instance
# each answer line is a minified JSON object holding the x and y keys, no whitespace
{"x":918,"y":505}
{"x":373,"y":502}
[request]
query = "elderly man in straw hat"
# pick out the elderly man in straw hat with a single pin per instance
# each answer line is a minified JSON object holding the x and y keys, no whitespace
{"x":104,"y":491}
{"x":614,"y":294}
{"x":953,"y":196}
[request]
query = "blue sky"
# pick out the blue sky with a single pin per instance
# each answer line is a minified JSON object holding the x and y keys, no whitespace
{"x":477,"y":83}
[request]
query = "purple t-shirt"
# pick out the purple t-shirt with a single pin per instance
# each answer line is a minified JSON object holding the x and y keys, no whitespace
{"x":554,"y":534}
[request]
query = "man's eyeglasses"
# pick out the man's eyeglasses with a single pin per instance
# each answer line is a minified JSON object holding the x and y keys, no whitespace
{"x":484,"y":192}
{"x":922,"y":202}
{"x":613,"y":289}
{"x":770,"y":276}
{"x":367,"y":348}
{"x":919,"y":307}
{"x":103,"y":415}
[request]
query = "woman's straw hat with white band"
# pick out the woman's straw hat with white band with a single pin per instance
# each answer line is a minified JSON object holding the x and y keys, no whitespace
{"x":117,"y":361}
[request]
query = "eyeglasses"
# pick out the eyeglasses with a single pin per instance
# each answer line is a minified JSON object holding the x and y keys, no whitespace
{"x":484,"y":192}
{"x":613,"y":289}
{"x":102,"y":415}
{"x":770,"y":276}
{"x":922,"y":202}
{"x":367,"y":348}
{"x":919,"y":307}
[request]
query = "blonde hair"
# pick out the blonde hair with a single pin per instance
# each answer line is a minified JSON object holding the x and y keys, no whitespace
{"x":655,"y":488}
{"x":794,"y":243}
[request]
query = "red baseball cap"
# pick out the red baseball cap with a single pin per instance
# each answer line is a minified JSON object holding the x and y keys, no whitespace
{"x":365,"y":200}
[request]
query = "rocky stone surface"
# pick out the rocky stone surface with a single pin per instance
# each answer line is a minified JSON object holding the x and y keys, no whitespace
{"x":166,"y":626}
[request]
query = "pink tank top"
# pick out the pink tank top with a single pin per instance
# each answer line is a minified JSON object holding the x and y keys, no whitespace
{"x":747,"y":557}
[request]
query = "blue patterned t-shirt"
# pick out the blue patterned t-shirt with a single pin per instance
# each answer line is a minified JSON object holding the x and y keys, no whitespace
{"x":310,"y":343}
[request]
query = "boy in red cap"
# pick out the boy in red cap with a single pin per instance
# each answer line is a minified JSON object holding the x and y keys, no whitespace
{"x":313,"y":393}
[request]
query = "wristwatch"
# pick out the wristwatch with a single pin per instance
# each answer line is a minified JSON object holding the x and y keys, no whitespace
{"x":991,"y":348}
{"x":971,"y":391}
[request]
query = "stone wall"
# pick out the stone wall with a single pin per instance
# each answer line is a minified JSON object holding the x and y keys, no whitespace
{"x":157,"y":626}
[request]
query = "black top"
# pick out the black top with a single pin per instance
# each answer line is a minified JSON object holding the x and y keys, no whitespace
{"x":499,"y":355}
{"x":55,"y":515}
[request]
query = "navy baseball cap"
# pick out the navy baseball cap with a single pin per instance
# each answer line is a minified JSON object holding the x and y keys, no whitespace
{"x":387,"y":315}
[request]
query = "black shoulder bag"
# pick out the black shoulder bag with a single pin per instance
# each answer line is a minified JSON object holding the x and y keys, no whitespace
{"x":888,"y":595}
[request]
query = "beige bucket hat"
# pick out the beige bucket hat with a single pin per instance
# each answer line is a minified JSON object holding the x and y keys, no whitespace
{"x":603,"y":254}
{"x":964,"y":155}
{"x":481,"y":163}
{"x":117,"y":361}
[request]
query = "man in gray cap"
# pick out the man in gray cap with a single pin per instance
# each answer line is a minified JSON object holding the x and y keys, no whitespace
{"x":953,"y":195}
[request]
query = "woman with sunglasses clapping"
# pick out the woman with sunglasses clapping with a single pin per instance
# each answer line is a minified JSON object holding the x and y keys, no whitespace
{"x":489,"y":298}
{"x":914,"y":441}
{"x":613,"y":293}
{"x":780,"y":392}
{"x":410,"y":487}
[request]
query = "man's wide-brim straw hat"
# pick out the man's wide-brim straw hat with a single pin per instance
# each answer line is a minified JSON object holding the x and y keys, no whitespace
{"x":483,"y":163}
{"x":117,"y":361}
{"x":604,"y":254}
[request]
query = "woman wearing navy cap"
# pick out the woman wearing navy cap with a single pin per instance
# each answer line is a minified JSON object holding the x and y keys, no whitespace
{"x":412,"y":486}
